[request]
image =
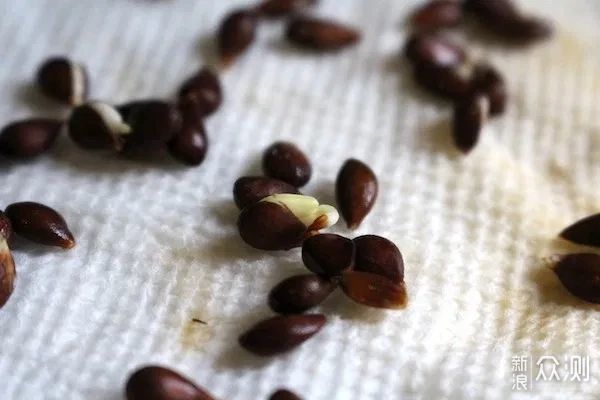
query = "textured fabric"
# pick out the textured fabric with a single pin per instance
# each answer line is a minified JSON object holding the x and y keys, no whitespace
{"x":157,"y":243}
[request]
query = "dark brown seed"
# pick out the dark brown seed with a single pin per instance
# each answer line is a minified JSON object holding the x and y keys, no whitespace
{"x":270,"y":226}
{"x":236,"y":34}
{"x":286,"y":162}
{"x":281,"y":333}
{"x":5,"y":227}
{"x":284,"y":394}
{"x":204,"y":87}
{"x":153,"y":124}
{"x":159,"y":383}
{"x":7,"y":272}
{"x":528,"y":29}
{"x":328,"y":254}
{"x":321,"y":34}
{"x":29,"y":137}
{"x":356,"y":191}
{"x":40,"y":224}
{"x":449,"y":82}
{"x":434,"y":49}
{"x":380,"y":256}
{"x":437,"y":14}
{"x":580,"y":274}
{"x":248,"y":190}
{"x":97,"y":126}
{"x":63,"y":80}
{"x":190,"y":144}
{"x":487,"y":80}
{"x":374,"y":290}
{"x":282,"y":8}
{"x":585,"y":231}
{"x":493,"y":12}
{"x":470,"y":115}
{"x":299,"y":293}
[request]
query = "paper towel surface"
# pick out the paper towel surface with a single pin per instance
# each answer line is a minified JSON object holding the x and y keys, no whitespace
{"x":157,"y":243}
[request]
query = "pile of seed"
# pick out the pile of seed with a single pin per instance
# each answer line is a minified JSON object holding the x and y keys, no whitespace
{"x":442,"y":66}
{"x":32,"y":221}
{"x":276,"y":216}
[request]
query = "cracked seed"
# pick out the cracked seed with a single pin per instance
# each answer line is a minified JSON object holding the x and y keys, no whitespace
{"x":63,"y":80}
{"x":374,"y":290}
{"x":248,"y":190}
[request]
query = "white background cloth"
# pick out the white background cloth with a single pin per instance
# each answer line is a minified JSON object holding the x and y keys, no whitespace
{"x":157,"y":243}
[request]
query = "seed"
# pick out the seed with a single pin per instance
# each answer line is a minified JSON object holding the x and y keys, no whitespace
{"x":282,"y":8}
{"x":63,"y":80}
{"x":281,"y":333}
{"x":282,"y":221}
{"x":492,"y":11}
{"x":204,"y":87}
{"x":5,"y":227}
{"x":29,"y":137}
{"x":299,"y":293}
{"x":236,"y":33}
{"x":435,"y":50}
{"x":374,"y":290}
{"x":487,"y":80}
{"x":328,"y":254}
{"x":585,"y":231}
{"x":7,"y":272}
{"x":528,"y":29}
{"x":96,"y":126}
{"x":580,"y":274}
{"x":284,"y":394}
{"x":378,"y":255}
{"x":437,"y":14}
{"x":286,"y":162}
{"x":448,"y":82}
{"x":356,"y":191}
{"x":159,"y":383}
{"x":153,"y":124}
{"x":190,"y":144}
{"x":469,"y":116}
{"x":321,"y":34}
{"x":248,"y":190}
{"x":40,"y":224}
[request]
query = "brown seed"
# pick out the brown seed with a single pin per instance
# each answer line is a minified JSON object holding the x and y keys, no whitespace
{"x":434,"y":49}
{"x":153,"y":124}
{"x":284,"y":394}
{"x":269,"y":226}
{"x":5,"y":227}
{"x":449,"y":82}
{"x":7,"y":272}
{"x":380,"y":256}
{"x":374,"y":290}
{"x":321,"y":34}
{"x":40,"y":224}
{"x":160,"y":383}
{"x":470,"y":115}
{"x":206,"y":90}
{"x":97,"y":126}
{"x":487,"y":80}
{"x":248,"y":190}
{"x":528,"y":29}
{"x":236,"y":34}
{"x":190,"y":144}
{"x":437,"y":14}
{"x":356,"y":191}
{"x":282,"y":8}
{"x":493,"y":12}
{"x":63,"y":80}
{"x":585,"y":231}
{"x":299,"y":293}
{"x":29,"y":137}
{"x":580,"y":274}
{"x":328,"y":254}
{"x":286,"y":162}
{"x":281,"y":333}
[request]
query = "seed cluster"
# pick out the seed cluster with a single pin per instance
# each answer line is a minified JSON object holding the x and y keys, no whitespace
{"x":35,"y":222}
{"x":443,"y":67}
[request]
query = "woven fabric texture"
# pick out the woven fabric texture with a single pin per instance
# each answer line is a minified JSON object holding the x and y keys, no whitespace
{"x":157,"y":243}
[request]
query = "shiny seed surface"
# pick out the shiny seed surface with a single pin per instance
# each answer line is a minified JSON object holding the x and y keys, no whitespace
{"x":29,"y":137}
{"x":585,"y":231}
{"x":378,"y":255}
{"x":190,"y":144}
{"x":434,"y":50}
{"x":373,"y":290}
{"x":452,"y":83}
{"x":356,"y":190}
{"x":580,"y":275}
{"x":321,"y":34}
{"x":286,"y":162}
{"x":281,"y":334}
{"x":299,"y":293}
{"x":160,"y":383}
{"x":236,"y":34}
{"x":328,"y":254}
{"x":248,"y":190}
{"x":205,"y":88}
{"x":40,"y":223}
